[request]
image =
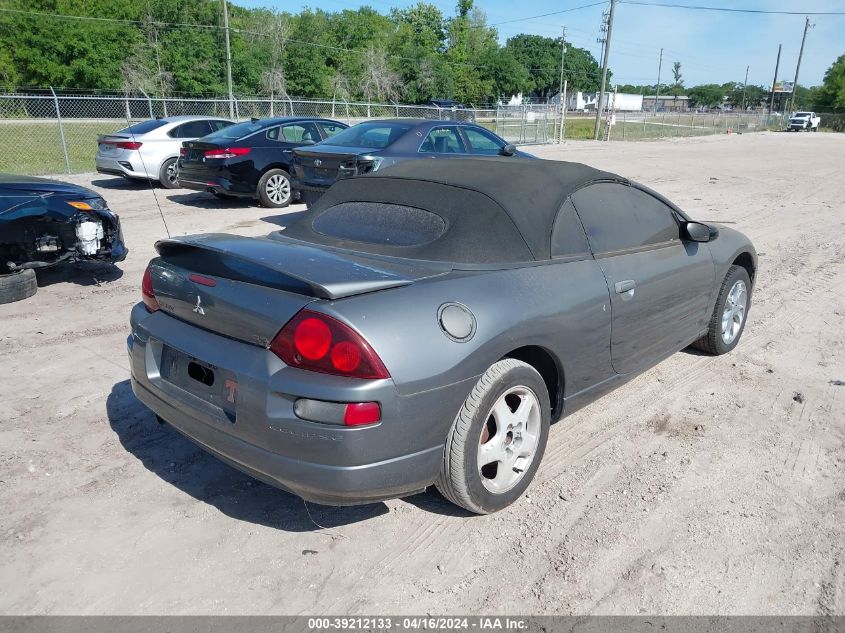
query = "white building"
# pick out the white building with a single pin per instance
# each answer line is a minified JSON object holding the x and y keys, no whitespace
{"x":581,"y":101}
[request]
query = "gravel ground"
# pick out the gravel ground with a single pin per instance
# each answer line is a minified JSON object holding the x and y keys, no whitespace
{"x":705,"y":486}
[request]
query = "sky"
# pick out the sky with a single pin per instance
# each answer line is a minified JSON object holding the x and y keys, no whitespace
{"x":713,"y":47}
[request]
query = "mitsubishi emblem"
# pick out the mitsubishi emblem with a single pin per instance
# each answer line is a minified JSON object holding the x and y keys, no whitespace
{"x":198,"y":308}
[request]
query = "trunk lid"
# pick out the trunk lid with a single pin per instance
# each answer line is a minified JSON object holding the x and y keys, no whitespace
{"x":195,"y":151}
{"x":248,"y":288}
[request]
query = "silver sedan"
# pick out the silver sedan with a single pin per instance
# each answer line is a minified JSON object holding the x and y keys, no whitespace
{"x":148,"y":150}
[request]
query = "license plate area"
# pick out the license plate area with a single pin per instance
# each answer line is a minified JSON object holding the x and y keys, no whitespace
{"x":215,"y":385}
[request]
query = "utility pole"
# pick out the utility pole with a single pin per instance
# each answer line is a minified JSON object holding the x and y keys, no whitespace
{"x":560,"y":91}
{"x":744,"y":86}
{"x":659,"y":68}
{"x":600,"y":104}
{"x":774,"y":81}
{"x":798,"y":65}
{"x":228,"y":61}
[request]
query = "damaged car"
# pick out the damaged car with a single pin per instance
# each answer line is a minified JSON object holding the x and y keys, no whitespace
{"x":47,"y":222}
{"x":425,"y":324}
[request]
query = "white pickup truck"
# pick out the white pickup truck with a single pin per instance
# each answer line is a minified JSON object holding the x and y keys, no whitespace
{"x":804,"y":121}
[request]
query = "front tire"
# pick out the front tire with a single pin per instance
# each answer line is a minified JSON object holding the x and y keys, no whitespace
{"x":730,"y":314}
{"x":18,"y":285}
{"x":497,"y":439}
{"x":274,"y":189}
{"x":168,"y":174}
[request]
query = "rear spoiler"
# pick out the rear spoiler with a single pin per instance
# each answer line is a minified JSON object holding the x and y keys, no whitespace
{"x":277,"y":262}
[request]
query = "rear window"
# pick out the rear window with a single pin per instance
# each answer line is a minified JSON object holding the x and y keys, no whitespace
{"x":380,"y":223}
{"x":143,"y":127}
{"x":239,"y":130}
{"x":373,"y":135}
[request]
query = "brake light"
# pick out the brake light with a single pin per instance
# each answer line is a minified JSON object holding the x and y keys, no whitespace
{"x":129,"y":145}
{"x":229,"y":152}
{"x":147,"y":294}
{"x":318,"y":342}
{"x":183,"y":151}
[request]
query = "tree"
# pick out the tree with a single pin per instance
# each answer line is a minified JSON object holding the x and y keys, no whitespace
{"x":379,"y":81}
{"x":707,"y":95}
{"x":678,"y":83}
{"x":831,"y":95}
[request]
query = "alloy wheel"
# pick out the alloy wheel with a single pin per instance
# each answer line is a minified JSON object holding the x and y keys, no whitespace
{"x":509,"y":439}
{"x":278,"y":189}
{"x":734,"y":312}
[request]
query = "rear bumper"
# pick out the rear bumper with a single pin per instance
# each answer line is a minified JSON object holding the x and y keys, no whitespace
{"x":318,"y":462}
{"x":122,"y":167}
{"x":218,"y":179}
{"x":302,"y":185}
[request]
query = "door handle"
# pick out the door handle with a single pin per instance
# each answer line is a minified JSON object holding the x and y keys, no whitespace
{"x":625,"y":286}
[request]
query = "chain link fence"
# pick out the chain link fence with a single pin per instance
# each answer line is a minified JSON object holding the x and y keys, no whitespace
{"x":49,"y":133}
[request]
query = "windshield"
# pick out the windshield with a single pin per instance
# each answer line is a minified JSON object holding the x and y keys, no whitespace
{"x":143,"y":127}
{"x":376,"y":135}
{"x":239,"y":130}
{"x":802,"y":114}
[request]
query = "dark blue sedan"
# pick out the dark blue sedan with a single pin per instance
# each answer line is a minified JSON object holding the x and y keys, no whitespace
{"x":374,"y":145}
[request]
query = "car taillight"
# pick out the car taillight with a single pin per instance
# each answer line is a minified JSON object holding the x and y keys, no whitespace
{"x":183,"y":151}
{"x":318,"y":342}
{"x":229,"y":152}
{"x":147,"y":294}
{"x":129,"y":145}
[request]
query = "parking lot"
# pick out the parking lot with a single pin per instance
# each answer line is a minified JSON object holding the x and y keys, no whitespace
{"x":708,"y":485}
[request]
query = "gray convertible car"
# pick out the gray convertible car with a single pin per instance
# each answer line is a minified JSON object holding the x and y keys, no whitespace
{"x":424,"y":325}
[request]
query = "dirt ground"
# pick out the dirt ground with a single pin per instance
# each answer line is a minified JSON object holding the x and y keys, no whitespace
{"x":705,"y":486}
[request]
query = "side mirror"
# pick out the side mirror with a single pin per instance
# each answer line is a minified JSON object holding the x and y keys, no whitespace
{"x":698,"y":232}
{"x":509,"y":150}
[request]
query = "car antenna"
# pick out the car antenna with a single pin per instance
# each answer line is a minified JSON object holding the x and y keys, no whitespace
{"x":149,"y":178}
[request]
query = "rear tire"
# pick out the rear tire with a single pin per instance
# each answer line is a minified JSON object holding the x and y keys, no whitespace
{"x":168,"y":173}
{"x":18,"y":285}
{"x":723,"y":332}
{"x":497,"y":439}
{"x":274,"y":189}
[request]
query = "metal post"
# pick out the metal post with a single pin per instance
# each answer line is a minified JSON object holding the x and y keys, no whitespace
{"x":562,"y":131}
{"x":149,"y":104}
{"x":774,"y":81}
{"x":798,"y":65}
{"x":232,"y":104}
{"x":744,"y":86}
{"x":599,"y":105}
{"x":61,"y":128}
{"x":659,"y":68}
{"x":561,"y":90}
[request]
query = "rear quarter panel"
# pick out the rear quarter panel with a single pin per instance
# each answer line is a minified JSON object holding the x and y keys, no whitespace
{"x":561,"y":307}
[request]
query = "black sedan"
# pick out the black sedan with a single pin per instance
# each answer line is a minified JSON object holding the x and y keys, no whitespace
{"x":47,"y":222}
{"x":251,"y":159}
{"x":374,"y":145}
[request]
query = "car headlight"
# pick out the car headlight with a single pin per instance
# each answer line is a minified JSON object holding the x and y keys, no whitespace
{"x":89,"y":204}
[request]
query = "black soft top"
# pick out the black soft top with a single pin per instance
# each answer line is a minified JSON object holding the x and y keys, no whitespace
{"x":493,"y":210}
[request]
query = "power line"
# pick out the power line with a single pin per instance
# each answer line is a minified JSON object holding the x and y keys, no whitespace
{"x":694,"y":7}
{"x":545,"y":15}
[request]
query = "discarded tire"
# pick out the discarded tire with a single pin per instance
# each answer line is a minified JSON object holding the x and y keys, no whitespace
{"x":18,"y":285}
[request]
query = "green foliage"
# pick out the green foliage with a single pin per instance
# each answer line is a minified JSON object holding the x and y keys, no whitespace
{"x":831,"y":95}
{"x":706,"y":96}
{"x":165,"y":47}
{"x":677,"y":87}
